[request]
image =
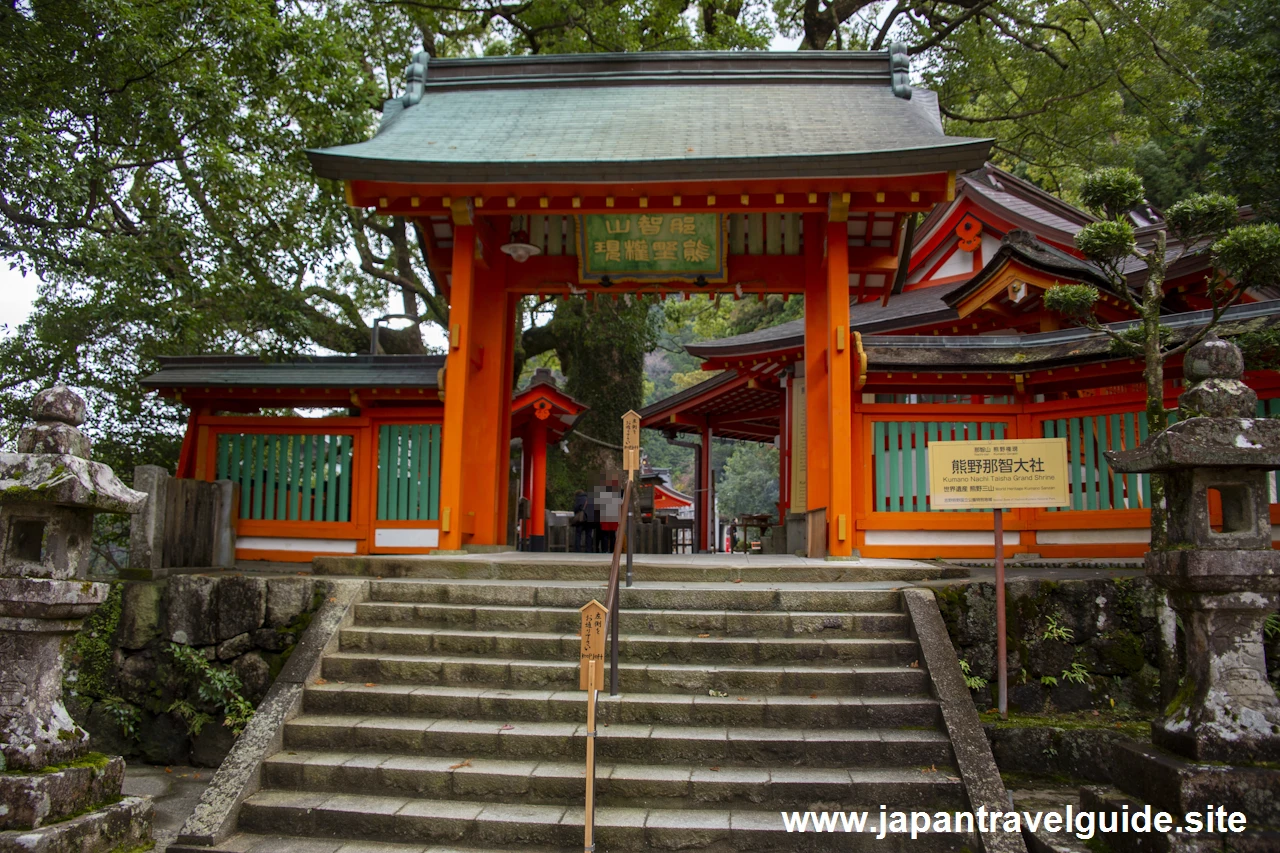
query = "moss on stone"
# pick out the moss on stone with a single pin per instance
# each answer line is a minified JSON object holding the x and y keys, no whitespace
{"x":1138,"y":728}
{"x":90,"y":664}
{"x":93,"y":760}
{"x":1124,"y":651}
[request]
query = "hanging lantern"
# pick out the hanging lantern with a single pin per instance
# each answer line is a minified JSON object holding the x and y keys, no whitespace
{"x":519,"y":248}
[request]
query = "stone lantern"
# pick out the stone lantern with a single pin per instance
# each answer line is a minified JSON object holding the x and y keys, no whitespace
{"x":49,"y":493}
{"x":1222,"y":581}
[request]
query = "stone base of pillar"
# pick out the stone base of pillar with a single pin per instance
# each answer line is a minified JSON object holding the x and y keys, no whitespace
{"x":1225,"y":708}
{"x":121,"y":826}
{"x":38,"y":799}
{"x":1149,"y":776}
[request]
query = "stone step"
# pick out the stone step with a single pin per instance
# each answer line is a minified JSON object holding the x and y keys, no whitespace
{"x":253,"y":842}
{"x":736,"y":679}
{"x":737,"y":597}
{"x":668,"y":786}
{"x":670,"y":708}
{"x":632,"y":647}
{"x":622,"y":742}
{"x":565,"y":620}
{"x":589,"y":568}
{"x":506,"y":825}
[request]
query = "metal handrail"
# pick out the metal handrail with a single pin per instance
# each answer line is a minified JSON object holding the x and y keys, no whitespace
{"x":611,"y":628}
{"x":611,"y":600}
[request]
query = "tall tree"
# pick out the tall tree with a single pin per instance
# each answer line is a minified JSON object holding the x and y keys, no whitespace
{"x":154,"y":176}
{"x":1240,"y":104}
{"x":1244,"y":257}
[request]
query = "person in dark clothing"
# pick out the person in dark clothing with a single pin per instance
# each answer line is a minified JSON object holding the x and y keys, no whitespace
{"x":582,"y":528}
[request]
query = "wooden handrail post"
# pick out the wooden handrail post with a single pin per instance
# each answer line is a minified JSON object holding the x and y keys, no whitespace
{"x":589,"y":819}
{"x":591,"y":670}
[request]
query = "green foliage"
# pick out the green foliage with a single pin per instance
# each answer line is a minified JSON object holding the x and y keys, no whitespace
{"x":1071,"y":300}
{"x":1048,"y":681}
{"x":750,"y":482}
{"x":1107,"y":242}
{"x":973,"y":682}
{"x":218,"y":689}
{"x":1250,"y":254}
{"x":127,"y":716}
{"x":1055,"y":630}
{"x":1202,"y":215}
{"x":1173,"y":164}
{"x":1261,"y":349}
{"x":1077,"y":673}
{"x":1111,"y":192}
{"x":1271,"y":627}
{"x":1071,"y":86}
{"x":1239,"y":105}
{"x":89,"y":667}
{"x":1130,"y":340}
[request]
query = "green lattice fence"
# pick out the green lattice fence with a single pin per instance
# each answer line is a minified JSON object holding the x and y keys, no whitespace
{"x":409,"y":472}
{"x":289,"y":477}
{"x":900,"y":459}
{"x":1092,"y":483}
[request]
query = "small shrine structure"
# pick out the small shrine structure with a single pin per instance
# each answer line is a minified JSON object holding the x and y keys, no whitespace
{"x":541,"y":414}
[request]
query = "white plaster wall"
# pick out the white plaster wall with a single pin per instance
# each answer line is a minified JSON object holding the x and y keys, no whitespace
{"x":289,"y":543}
{"x":939,"y":537}
{"x":1115,"y":536}
{"x":406,"y":537}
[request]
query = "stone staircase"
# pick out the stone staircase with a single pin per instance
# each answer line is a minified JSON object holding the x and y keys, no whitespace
{"x":450,"y":720}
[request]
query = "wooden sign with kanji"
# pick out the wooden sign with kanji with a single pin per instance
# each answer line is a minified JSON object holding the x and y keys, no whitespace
{"x":631,"y":442}
{"x":591,"y":653}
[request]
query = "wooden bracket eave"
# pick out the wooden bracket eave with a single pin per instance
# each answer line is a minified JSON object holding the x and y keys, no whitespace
{"x":838,"y":207}
{"x":860,"y":378}
{"x":463,"y":210}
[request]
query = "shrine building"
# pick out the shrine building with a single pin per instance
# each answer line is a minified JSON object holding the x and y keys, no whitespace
{"x":690,"y":174}
{"x":960,"y":347}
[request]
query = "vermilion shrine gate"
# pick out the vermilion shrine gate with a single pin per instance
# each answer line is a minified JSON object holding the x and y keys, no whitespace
{"x":665,"y":173}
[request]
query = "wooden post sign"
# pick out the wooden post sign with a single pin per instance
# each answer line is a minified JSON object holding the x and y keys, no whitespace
{"x":994,"y":475}
{"x":631,"y":443}
{"x":591,"y":652}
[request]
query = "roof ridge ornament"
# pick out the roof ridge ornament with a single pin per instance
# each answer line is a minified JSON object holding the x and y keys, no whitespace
{"x":415,"y":78}
{"x":900,"y":69}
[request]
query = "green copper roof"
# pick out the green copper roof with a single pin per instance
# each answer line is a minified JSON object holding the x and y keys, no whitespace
{"x":654,"y":117}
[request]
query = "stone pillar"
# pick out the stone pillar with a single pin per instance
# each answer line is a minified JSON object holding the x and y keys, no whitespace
{"x":1222,"y":580}
{"x":49,"y":492}
{"x":146,"y":528}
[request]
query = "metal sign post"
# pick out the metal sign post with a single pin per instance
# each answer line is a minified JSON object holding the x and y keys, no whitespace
{"x":996,"y":475}
{"x":631,"y":462}
{"x":591,"y":674}
{"x":1002,"y":641}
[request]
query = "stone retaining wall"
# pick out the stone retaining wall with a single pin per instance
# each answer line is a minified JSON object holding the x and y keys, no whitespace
{"x":123,"y":678}
{"x":1103,"y":630}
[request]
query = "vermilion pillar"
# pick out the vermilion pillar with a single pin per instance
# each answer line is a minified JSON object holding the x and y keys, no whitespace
{"x":817,"y":330}
{"x":456,"y":385}
{"x":536,"y":451}
{"x":504,"y":436}
{"x":477,"y":394}
{"x":706,"y":510}
{"x":489,"y":396}
{"x":839,"y":394}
